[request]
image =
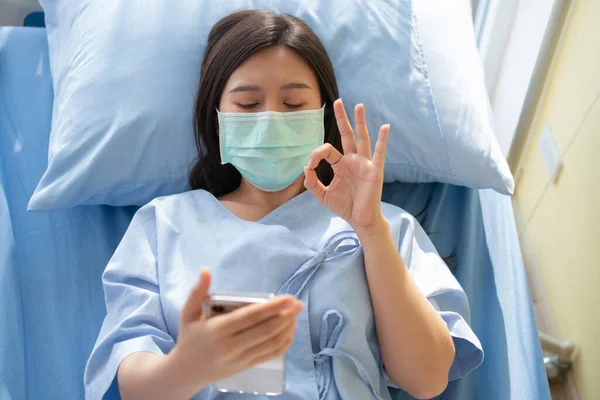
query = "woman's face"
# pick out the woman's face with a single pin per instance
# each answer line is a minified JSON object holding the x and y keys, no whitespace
{"x":273,"y":79}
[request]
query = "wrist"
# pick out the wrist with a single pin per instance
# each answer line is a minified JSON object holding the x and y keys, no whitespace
{"x":148,"y":375}
{"x":377,"y":230}
{"x":181,"y":375}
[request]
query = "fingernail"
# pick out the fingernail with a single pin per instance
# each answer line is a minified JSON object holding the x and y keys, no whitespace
{"x":202,"y":271}
{"x":286,"y":313}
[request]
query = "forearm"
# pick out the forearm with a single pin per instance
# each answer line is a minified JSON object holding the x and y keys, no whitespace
{"x":146,"y":375}
{"x":416,"y":347}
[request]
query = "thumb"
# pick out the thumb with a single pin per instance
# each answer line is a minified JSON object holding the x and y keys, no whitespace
{"x":313,"y":184}
{"x":192,"y":309}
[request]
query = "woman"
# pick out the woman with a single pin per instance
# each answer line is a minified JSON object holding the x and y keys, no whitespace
{"x":287,"y":201}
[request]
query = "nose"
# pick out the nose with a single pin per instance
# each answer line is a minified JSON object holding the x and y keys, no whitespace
{"x":273,"y":102}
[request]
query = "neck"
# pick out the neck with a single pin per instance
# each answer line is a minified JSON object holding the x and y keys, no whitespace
{"x":271,"y":200}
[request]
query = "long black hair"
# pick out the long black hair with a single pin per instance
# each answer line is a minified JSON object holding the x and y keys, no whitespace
{"x":231,"y":41}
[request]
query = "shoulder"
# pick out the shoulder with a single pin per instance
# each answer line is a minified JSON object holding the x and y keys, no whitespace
{"x":404,"y":226}
{"x":396,"y":215}
{"x":180,"y":203}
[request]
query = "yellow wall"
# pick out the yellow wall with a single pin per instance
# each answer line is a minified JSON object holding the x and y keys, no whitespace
{"x":563,"y":223}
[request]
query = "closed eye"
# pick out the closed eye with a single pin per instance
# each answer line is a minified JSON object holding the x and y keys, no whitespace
{"x":292,"y":106}
{"x":247,"y":106}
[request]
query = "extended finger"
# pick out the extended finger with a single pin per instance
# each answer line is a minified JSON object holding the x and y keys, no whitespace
{"x":254,"y":314}
{"x":265,"y":332}
{"x":362,"y":132}
{"x":346,"y":132}
{"x":324,"y":152}
{"x":268,"y":350}
{"x":380,"y":146}
{"x":192,"y":309}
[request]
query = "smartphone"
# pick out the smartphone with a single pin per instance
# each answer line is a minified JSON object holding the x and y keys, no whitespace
{"x":267,"y":378}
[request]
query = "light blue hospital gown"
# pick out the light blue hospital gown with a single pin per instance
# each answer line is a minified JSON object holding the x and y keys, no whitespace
{"x":300,"y":248}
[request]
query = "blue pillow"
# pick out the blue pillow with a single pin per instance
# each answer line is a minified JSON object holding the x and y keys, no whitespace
{"x":125,"y":74}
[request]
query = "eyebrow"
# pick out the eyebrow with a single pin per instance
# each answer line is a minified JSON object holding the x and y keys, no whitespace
{"x":254,"y":88}
{"x":295,"y":85}
{"x":245,"y":88}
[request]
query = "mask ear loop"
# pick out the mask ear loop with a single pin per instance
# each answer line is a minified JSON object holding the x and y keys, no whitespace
{"x":327,"y":111}
{"x":218,"y":125}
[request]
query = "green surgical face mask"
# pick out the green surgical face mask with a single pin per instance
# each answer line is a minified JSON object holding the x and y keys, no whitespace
{"x":270,"y":149}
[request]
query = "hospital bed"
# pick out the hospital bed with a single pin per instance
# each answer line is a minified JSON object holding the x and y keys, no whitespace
{"x":51,"y":298}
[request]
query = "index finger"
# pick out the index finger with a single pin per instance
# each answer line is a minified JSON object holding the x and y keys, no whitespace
{"x":254,"y":314}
